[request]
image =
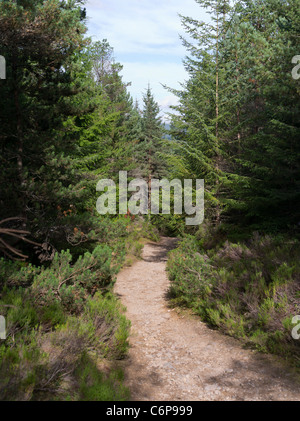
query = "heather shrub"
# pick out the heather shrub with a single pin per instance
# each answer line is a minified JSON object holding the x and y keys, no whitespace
{"x":189,"y":273}
{"x":247,"y":289}
{"x":64,"y":313}
{"x":15,"y":274}
{"x":22,"y":368}
{"x":93,"y":385}
{"x":72,"y":284}
{"x":103,"y":325}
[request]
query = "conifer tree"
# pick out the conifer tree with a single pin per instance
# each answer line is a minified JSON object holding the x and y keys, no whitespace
{"x":41,"y":42}
{"x":237,"y":125}
{"x":199,"y":128}
{"x":149,"y":148}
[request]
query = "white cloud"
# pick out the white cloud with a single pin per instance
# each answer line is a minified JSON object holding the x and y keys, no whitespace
{"x":141,"y":25}
{"x":144,"y":35}
{"x":168,"y":101}
{"x":156,"y":74}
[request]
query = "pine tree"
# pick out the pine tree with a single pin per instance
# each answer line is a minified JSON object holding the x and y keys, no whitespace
{"x":40,"y":41}
{"x":237,"y":125}
{"x":199,"y":128}
{"x":263,"y":147}
{"x":150,"y":146}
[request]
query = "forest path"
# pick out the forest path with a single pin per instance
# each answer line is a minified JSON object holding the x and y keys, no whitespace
{"x":179,"y":358}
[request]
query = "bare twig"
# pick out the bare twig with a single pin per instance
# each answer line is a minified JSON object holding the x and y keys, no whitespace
{"x":16,"y":233}
{"x":72,"y":276}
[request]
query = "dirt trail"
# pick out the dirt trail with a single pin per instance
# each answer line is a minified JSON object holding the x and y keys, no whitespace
{"x":179,"y":358}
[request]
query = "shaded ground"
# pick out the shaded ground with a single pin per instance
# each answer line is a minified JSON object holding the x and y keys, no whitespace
{"x":173,"y":357}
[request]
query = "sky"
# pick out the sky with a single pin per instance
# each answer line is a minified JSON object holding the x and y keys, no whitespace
{"x":145,"y":37}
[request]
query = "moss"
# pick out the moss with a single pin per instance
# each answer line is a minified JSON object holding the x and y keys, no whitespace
{"x":94,"y":385}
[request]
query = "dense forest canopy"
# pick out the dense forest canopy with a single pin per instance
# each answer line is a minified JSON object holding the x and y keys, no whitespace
{"x":238,"y":124}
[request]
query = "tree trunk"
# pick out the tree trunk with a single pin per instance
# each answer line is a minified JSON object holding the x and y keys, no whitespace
{"x":218,"y":212}
{"x":20,"y":143}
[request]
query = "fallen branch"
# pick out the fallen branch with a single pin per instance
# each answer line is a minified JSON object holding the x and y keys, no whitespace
{"x":8,"y":249}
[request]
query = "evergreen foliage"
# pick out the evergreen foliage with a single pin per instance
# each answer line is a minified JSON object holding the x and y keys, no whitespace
{"x":67,"y":120}
{"x":238,"y":120}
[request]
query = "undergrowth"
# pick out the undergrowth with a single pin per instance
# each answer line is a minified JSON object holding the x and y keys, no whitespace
{"x":63,"y":321}
{"x":247,"y":289}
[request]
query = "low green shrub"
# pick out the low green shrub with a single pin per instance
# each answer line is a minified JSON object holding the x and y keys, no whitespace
{"x":94,"y":385}
{"x":70,"y":284}
{"x":65,"y":313}
{"x":246,"y":289}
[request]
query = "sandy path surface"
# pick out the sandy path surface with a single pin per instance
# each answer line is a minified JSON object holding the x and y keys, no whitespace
{"x":179,"y":358}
